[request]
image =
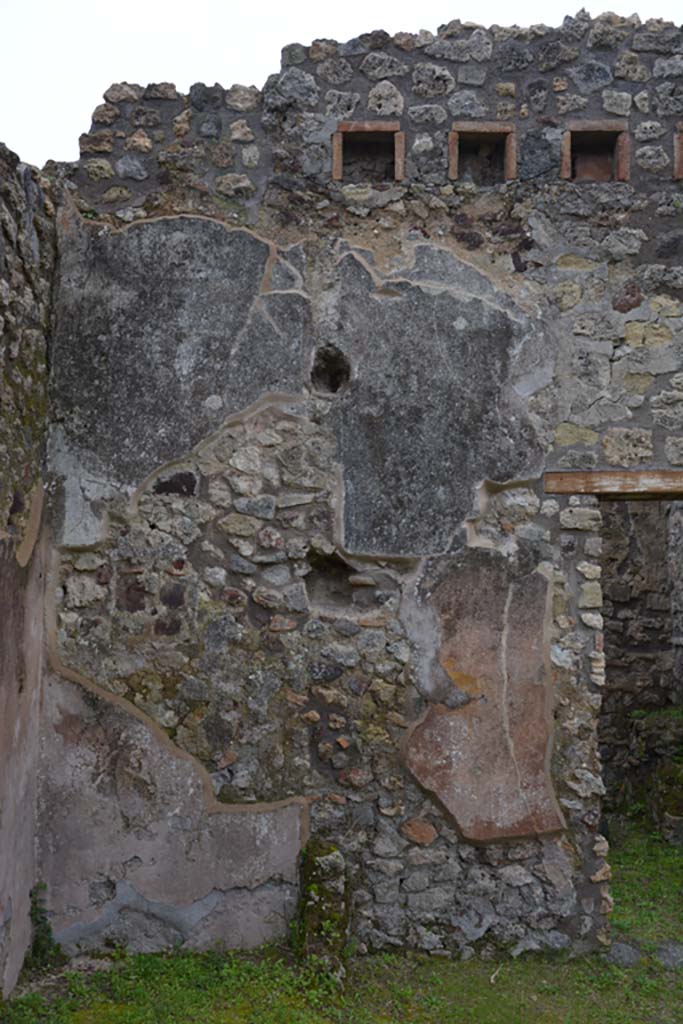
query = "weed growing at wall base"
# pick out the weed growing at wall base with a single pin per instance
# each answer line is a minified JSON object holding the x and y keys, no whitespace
{"x":44,"y":951}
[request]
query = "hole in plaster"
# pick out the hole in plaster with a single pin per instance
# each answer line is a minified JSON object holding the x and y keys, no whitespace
{"x":328,"y":581}
{"x":16,"y":508}
{"x":183,"y":483}
{"x":368,"y":157}
{"x":331,"y":370}
{"x":481,"y":158}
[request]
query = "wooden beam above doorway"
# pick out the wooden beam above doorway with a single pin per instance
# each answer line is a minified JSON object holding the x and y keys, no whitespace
{"x":620,"y":483}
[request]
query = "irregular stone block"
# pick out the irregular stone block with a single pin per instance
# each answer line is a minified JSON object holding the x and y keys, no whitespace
{"x":203,"y":97}
{"x":419,"y":830}
{"x":432,"y":80}
{"x":106,"y":113}
{"x":385,"y":99}
{"x":669,"y":99}
{"x":590,"y":75}
{"x":140,"y":141}
{"x":428,"y":113}
{"x":615,"y":102}
{"x":243,"y":97}
{"x":98,"y":170}
{"x":466,"y":103}
{"x":235,"y":185}
{"x":554,"y":53}
{"x":131,"y":167}
{"x":514,"y":56}
{"x":341,"y":104}
{"x":668,"y":67}
{"x":335,"y":70}
{"x":648,"y":130}
{"x":664,"y":40}
{"x":667,"y":409}
{"x":122,"y":92}
{"x":652,"y":158}
{"x":627,"y":446}
{"x":628,"y":66}
{"x":293,"y":87}
{"x":580,"y":519}
{"x":673,"y":446}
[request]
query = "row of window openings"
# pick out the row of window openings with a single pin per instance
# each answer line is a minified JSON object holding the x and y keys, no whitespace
{"x":484,"y":154}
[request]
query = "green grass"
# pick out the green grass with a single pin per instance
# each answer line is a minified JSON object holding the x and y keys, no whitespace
{"x":647,"y":885}
{"x":266,"y":988}
{"x":213,"y":989}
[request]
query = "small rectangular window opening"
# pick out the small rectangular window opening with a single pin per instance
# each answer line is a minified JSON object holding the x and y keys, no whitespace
{"x":594,"y":156}
{"x":368,"y":156}
{"x":483,"y":153}
{"x":595,"y":151}
{"x":368,"y":152}
{"x":481,"y":159}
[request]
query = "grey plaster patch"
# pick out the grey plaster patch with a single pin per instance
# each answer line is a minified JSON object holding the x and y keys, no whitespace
{"x":237,"y":919}
{"x":431,"y":409}
{"x":152,"y":321}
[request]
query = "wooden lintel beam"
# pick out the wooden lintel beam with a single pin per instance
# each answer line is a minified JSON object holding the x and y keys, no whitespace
{"x":639,"y":483}
{"x":369,"y":126}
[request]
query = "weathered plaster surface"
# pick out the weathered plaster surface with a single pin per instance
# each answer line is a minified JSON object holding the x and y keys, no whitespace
{"x":161,"y":330}
{"x":134,"y":853}
{"x":432,"y":409}
{"x":488,"y":761}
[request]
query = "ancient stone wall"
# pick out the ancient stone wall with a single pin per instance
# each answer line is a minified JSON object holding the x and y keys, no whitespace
{"x":638,"y":635}
{"x":641,"y":726}
{"x":218,"y":150}
{"x":305,"y":578}
{"x":26,"y":259}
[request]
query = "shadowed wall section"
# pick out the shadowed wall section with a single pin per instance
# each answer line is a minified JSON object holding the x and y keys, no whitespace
{"x":26,"y":257}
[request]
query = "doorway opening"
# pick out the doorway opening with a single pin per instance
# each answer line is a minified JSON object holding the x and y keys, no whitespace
{"x":641,"y":721}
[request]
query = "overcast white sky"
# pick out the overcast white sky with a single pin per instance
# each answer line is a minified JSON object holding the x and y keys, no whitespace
{"x":58,"y":56}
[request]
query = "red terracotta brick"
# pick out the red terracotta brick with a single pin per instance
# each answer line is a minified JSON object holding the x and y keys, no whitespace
{"x":419,"y":830}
